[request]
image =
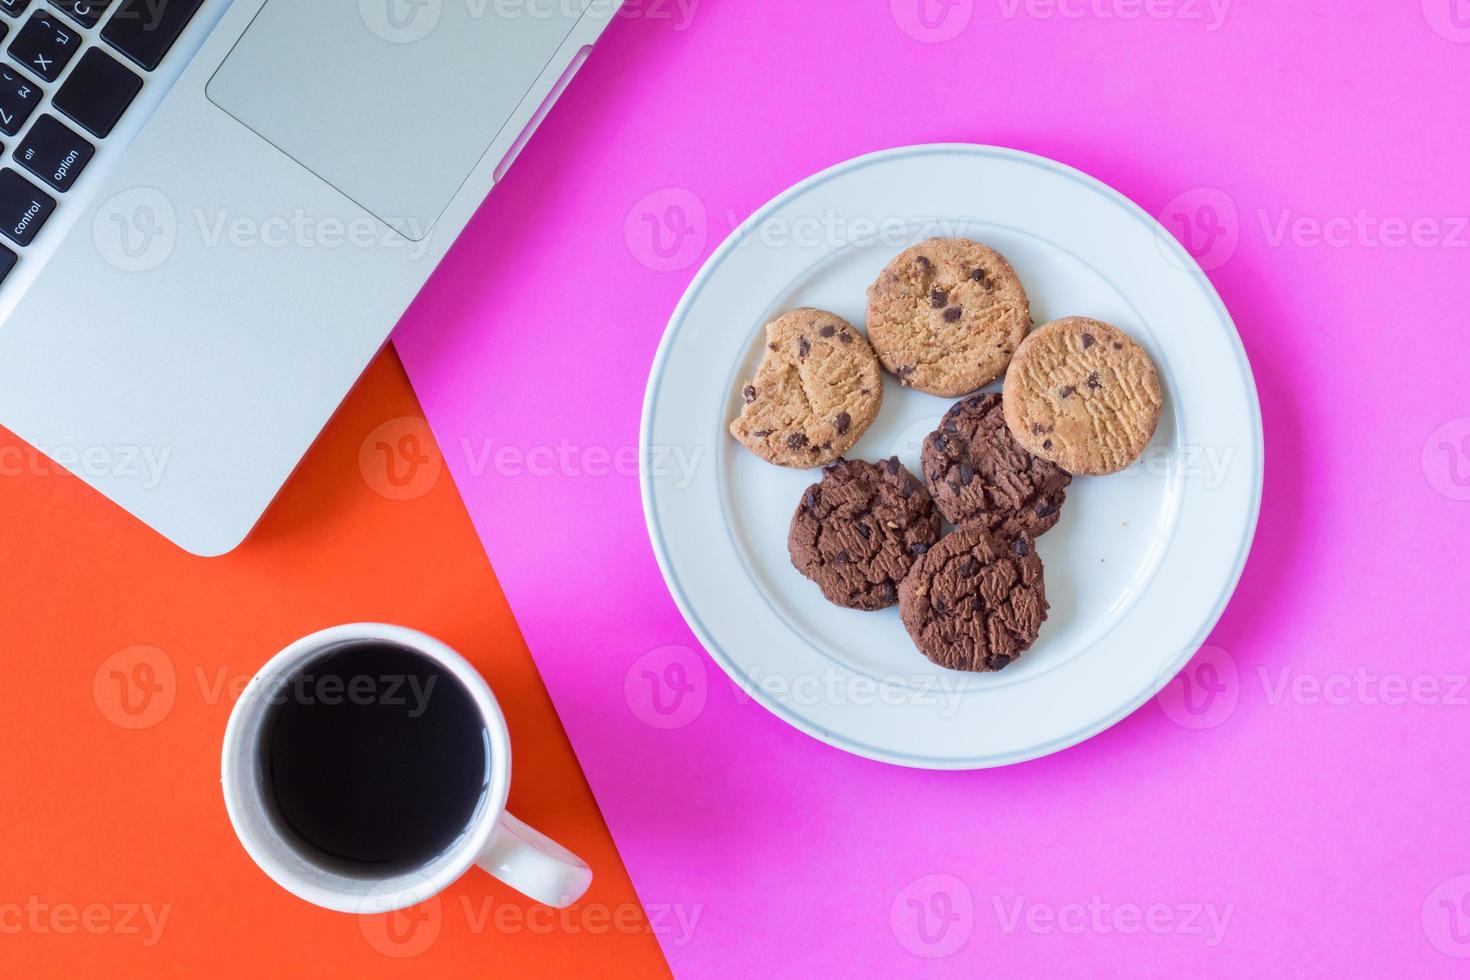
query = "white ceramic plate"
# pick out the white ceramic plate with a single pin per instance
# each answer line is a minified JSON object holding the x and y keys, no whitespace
{"x":1137,"y":571}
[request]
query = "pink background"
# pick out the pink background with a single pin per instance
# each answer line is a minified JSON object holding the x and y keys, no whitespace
{"x":1326,"y":819}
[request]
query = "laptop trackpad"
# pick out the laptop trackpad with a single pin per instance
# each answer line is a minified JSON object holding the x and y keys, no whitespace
{"x":392,"y":102}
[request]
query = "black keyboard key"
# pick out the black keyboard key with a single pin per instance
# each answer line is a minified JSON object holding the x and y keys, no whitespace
{"x":14,"y":7}
{"x":45,"y":45}
{"x":84,"y":12}
{"x":54,"y":153}
{"x":19,"y":97}
{"x":23,"y":207}
{"x":144,"y":30}
{"x":95,"y":95}
{"x":7,"y":262}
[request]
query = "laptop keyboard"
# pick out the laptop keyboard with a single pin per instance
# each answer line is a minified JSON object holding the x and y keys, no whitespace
{"x":119,"y":42}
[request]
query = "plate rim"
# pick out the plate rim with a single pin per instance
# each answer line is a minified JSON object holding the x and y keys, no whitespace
{"x":694,"y":622}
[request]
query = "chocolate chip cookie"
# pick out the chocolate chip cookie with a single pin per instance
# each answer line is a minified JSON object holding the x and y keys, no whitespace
{"x":1082,"y":394}
{"x":859,"y":531}
{"x":975,"y":601}
{"x":976,"y":471}
{"x":817,"y":390}
{"x":946,"y":315}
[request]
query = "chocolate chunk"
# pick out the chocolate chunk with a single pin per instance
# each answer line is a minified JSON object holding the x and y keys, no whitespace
{"x":1046,"y":445}
{"x":1088,"y":340}
{"x":923,"y":262}
{"x":828,"y":330}
{"x":937,"y":298}
{"x":1020,"y":547}
{"x":845,"y":337}
{"x":843,"y":557}
{"x":795,"y":441}
{"x":865,"y":531}
{"x":967,"y":474}
{"x":893,"y":465}
{"x":1092,"y":381}
{"x":980,"y":276}
{"x":843,"y":422}
{"x":803,"y":347}
{"x":918,"y":548}
{"x":1037,"y":428}
{"x":749,"y":394}
{"x":951,"y":426}
{"x":1066,"y":391}
{"x":952,"y":315}
{"x":1045,"y":510}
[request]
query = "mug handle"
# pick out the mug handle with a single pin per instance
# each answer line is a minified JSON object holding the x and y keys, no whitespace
{"x":534,"y":864}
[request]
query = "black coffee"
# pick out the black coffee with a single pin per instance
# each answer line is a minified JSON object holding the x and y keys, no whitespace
{"x":373,"y":759}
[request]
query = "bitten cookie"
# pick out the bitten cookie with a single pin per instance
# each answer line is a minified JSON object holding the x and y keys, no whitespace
{"x":976,"y":471}
{"x":946,"y":315}
{"x":1082,"y":394}
{"x":976,"y":601}
{"x":816,"y":392}
{"x":859,"y":531}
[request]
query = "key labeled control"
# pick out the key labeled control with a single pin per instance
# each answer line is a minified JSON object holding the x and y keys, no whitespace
{"x":54,"y":153}
{"x":45,"y":45}
{"x":24,"y":207}
{"x":19,"y":97}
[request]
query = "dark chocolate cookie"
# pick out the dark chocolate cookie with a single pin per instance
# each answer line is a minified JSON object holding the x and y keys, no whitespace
{"x":859,"y":531}
{"x":976,"y":471}
{"x":975,"y":601}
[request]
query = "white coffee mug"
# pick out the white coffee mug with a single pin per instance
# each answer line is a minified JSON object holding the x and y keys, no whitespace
{"x":523,"y":858}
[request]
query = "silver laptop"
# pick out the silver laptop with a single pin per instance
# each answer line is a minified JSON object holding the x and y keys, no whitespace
{"x":213,"y":213}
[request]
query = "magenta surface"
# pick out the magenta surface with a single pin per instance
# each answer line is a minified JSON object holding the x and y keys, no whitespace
{"x":1300,"y":805}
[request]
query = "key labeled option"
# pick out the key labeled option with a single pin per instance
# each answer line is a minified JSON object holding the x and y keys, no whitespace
{"x":45,"y":45}
{"x":24,"y":207}
{"x":54,"y":153}
{"x":19,"y":97}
